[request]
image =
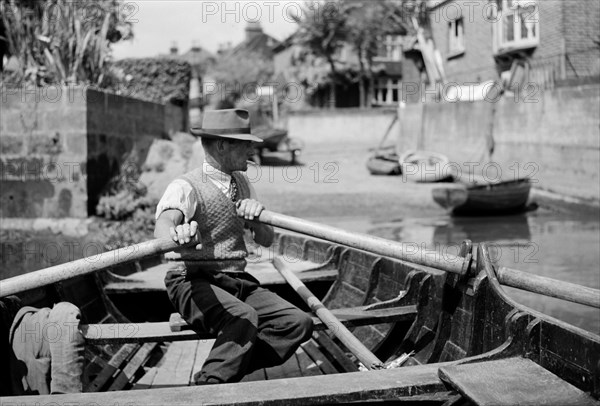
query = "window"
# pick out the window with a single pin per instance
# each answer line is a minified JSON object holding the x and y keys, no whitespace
{"x":516,"y":26}
{"x":390,"y":49}
{"x":387,"y":91}
{"x":456,"y":36}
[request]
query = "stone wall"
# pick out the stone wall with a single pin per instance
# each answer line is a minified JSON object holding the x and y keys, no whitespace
{"x":43,"y":150}
{"x":345,"y":128}
{"x":556,"y":140}
{"x":551,"y":136}
{"x":120,"y":131}
{"x":60,"y":146}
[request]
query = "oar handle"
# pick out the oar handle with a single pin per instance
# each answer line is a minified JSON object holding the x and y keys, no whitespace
{"x":409,"y":252}
{"x":549,"y":287}
{"x":84,"y":266}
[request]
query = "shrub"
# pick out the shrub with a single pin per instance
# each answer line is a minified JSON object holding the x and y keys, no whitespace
{"x":158,"y":80}
{"x":128,"y":211}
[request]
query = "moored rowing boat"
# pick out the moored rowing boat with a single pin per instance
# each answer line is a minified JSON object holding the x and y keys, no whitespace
{"x":489,"y":198}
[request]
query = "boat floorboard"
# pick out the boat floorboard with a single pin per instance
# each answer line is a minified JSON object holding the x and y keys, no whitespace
{"x":177,"y":367}
{"x":512,"y":381}
{"x":153,"y":278}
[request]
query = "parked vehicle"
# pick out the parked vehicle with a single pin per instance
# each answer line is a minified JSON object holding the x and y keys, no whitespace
{"x":277,"y":140}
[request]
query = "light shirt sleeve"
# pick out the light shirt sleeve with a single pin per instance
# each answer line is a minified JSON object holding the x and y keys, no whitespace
{"x":179,"y":195}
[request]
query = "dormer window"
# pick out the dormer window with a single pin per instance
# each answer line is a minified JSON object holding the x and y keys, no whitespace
{"x":516,"y":26}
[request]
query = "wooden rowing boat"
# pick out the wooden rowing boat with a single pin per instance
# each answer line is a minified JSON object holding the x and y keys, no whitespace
{"x":444,"y":322}
{"x":384,"y":163}
{"x":489,"y":198}
{"x":425,"y":166}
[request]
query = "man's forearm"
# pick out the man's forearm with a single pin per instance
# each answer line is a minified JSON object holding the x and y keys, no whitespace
{"x":161,"y":228}
{"x":167,"y":219}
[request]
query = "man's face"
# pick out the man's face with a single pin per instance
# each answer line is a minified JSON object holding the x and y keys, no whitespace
{"x":236,"y":154}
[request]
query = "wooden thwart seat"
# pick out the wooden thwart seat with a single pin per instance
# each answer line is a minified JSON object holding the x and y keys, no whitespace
{"x":512,"y":381}
{"x":161,"y":331}
{"x":152,"y":279}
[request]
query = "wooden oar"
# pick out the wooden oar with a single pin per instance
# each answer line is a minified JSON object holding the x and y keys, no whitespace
{"x":549,"y":287}
{"x":84,"y":266}
{"x":404,"y":251}
{"x":357,"y":348}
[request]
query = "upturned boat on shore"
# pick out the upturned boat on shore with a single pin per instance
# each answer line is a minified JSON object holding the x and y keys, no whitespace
{"x":425,"y":166}
{"x":396,"y":324}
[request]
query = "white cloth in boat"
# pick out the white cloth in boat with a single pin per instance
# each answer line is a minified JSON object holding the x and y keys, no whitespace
{"x":180,"y":195}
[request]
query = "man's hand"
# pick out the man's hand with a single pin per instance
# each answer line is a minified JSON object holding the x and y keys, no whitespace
{"x":184,"y":233}
{"x":249,"y":208}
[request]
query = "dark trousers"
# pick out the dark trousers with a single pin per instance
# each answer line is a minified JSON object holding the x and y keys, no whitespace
{"x":254,"y":327}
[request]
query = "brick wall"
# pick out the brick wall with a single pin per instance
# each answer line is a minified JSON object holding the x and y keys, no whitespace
{"x":564,"y":27}
{"x":59,"y":147}
{"x":477,"y":62}
{"x":582,"y":19}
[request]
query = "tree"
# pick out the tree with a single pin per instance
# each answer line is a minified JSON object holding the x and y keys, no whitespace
{"x":325,"y":30}
{"x":367,"y":23}
{"x":322,"y":31}
{"x":63,"y":41}
{"x":236,"y":76}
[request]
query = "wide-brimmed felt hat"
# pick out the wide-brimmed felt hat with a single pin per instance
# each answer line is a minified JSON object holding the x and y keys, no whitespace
{"x":229,"y":123}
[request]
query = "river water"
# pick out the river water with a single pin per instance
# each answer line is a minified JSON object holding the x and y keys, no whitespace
{"x":555,"y":245}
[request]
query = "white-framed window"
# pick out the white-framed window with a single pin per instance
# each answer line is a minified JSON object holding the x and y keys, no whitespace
{"x":390,"y":49}
{"x":456,"y":37}
{"x":387,"y":91}
{"x":516,"y":26}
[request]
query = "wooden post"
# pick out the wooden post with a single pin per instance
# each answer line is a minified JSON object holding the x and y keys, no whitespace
{"x":549,"y":287}
{"x":406,"y":252}
{"x":275,"y":108}
{"x":84,"y":266}
{"x":357,"y":348}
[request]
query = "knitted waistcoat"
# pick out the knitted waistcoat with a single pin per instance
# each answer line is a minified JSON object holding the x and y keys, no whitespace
{"x":221,"y":230}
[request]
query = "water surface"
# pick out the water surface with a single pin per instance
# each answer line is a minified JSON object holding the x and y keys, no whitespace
{"x":555,"y":245}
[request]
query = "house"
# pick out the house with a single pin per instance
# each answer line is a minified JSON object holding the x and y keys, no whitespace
{"x":530,"y":43}
{"x":255,"y":43}
{"x":394,"y":62}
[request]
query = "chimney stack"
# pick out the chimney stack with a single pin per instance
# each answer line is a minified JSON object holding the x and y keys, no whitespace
{"x":253,"y":29}
{"x":174,"y":50}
